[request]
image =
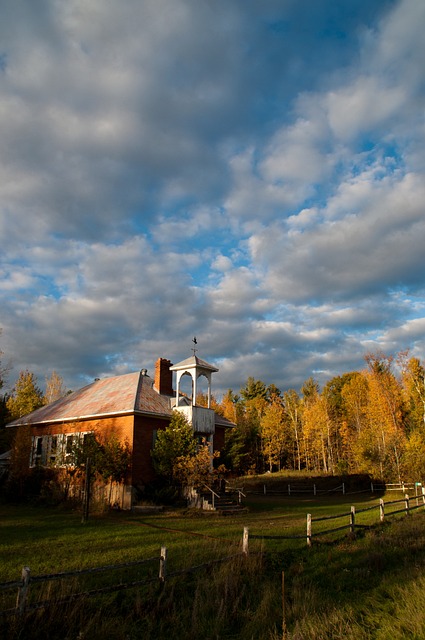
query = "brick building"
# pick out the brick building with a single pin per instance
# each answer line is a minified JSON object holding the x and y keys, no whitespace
{"x":132,"y":407}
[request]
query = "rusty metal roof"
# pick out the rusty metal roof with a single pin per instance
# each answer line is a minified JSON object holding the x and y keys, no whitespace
{"x":126,"y":394}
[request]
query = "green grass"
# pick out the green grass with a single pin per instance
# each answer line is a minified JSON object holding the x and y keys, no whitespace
{"x":370,"y":587}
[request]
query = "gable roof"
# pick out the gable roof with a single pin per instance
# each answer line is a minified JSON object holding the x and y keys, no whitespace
{"x":126,"y":394}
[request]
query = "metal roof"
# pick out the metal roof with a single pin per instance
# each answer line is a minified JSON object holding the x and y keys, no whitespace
{"x":131,"y":393}
{"x":125,"y":394}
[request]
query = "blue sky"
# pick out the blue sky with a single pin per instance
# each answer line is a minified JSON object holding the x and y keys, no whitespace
{"x":251,"y":173}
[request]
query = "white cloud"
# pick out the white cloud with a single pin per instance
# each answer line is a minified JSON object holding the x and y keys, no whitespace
{"x":176,"y":170}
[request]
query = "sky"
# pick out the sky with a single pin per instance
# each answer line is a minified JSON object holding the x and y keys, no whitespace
{"x":250,"y":172}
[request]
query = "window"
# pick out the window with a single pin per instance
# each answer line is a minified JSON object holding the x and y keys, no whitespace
{"x":69,"y":444}
{"x":37,"y":451}
{"x":39,"y":447}
{"x":53,"y":449}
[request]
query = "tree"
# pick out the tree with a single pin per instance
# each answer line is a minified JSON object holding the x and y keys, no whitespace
{"x":176,"y":441}
{"x":317,"y":435}
{"x":3,"y":369}
{"x":254,"y":389}
{"x":413,"y":459}
{"x":55,"y":388}
{"x":26,"y":395}
{"x":413,"y":375}
{"x":273,"y":436}
{"x":292,"y":404}
{"x":310,"y":394}
{"x":385,"y":415}
{"x":115,"y":461}
{"x":20,"y":471}
{"x":194,"y":470}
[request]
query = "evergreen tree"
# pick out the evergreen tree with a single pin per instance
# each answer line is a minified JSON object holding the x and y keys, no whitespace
{"x":26,"y":396}
{"x":176,"y":441}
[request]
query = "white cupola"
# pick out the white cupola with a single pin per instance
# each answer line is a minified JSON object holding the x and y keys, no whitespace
{"x":202,"y":419}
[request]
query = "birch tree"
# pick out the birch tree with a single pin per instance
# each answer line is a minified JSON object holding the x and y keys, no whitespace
{"x":55,"y":388}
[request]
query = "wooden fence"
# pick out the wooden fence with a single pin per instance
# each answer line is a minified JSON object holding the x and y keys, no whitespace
{"x":294,"y":489}
{"x":27,"y":579}
{"x":351,"y":525}
{"x":382,"y":506}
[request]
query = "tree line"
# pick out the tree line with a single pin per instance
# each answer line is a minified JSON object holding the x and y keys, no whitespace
{"x":369,"y":421}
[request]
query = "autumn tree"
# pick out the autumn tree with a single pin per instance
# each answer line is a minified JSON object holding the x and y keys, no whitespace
{"x":194,"y":470}
{"x":317,"y":435}
{"x":310,"y":394}
{"x":413,"y":381}
{"x":245,"y":441}
{"x":413,"y":457}
{"x":354,"y":429}
{"x":338,"y":424}
{"x":26,"y":396}
{"x":55,"y":388}
{"x":231,"y":406}
{"x":273,"y":434}
{"x":293,"y":422}
{"x":176,"y":441}
{"x":385,"y":413}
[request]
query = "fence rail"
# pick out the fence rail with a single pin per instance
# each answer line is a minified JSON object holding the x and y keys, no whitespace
{"x":295,"y":489}
{"x":352,"y":525}
{"x":23,"y":585}
{"x":27,"y":579}
{"x":407,"y":508}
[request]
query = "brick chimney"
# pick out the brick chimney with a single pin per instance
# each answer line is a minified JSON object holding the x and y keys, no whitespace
{"x":164,"y":377}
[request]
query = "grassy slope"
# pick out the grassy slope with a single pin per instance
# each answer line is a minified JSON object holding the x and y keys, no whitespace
{"x":368,"y":588}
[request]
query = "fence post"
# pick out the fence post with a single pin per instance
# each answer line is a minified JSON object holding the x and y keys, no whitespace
{"x":86,"y":501}
{"x":343,"y":488}
{"x":314,"y":489}
{"x":264,"y":489}
{"x":163,"y":564}
{"x":406,"y":502}
{"x":381,"y":510}
{"x":289,"y":489}
{"x":352,"y":519}
{"x":245,"y":541}
{"x":284,"y":630}
{"x":371,"y":487}
{"x":309,"y":529}
{"x":21,"y":599}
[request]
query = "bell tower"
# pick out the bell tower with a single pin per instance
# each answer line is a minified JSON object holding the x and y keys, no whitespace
{"x":202,"y":419}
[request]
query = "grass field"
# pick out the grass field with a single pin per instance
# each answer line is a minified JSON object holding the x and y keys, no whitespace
{"x":371,"y":587}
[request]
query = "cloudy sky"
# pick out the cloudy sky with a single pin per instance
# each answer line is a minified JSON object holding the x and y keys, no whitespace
{"x":251,"y":172}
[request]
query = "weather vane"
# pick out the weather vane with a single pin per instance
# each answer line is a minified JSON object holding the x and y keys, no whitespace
{"x":195,"y":342}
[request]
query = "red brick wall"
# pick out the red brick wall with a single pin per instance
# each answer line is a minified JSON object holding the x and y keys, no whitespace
{"x":138,"y":430}
{"x":144,"y":428}
{"x":119,"y":426}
